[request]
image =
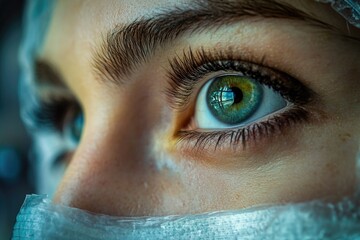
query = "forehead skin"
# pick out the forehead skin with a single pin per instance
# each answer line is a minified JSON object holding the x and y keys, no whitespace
{"x":114,"y":172}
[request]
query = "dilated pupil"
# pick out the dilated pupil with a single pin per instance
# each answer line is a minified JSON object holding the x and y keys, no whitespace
{"x":237,"y":95}
{"x":227,"y":97}
{"x":232,"y":99}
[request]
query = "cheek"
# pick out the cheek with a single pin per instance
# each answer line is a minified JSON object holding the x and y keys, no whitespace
{"x":325,"y":166}
{"x":321,"y":166}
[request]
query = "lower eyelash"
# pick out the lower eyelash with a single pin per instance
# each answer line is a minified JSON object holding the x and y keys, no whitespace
{"x":200,"y":140}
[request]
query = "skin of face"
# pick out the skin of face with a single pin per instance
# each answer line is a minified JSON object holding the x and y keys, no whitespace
{"x":129,"y":163}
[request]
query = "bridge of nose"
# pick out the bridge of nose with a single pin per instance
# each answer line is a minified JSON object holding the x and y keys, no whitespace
{"x":116,"y":168}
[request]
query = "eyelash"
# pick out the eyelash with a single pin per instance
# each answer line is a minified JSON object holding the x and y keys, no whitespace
{"x":242,"y":136}
{"x":50,"y":114}
{"x":187,"y":70}
{"x":186,"y":73}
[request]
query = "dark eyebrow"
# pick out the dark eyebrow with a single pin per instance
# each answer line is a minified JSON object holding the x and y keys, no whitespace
{"x":126,"y":47}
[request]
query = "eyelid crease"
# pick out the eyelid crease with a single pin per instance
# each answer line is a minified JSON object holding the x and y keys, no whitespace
{"x":46,"y":74}
{"x":186,"y":71}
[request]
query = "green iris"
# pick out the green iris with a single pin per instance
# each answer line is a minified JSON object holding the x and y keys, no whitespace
{"x":77,"y":126}
{"x":232,"y":98}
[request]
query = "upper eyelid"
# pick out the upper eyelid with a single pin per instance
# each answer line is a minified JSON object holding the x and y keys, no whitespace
{"x":46,"y":74}
{"x":185,"y":71}
{"x":50,"y":85}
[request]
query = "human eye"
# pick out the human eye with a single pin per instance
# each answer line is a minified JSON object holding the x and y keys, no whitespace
{"x":61,"y":116}
{"x":229,"y":102}
{"x":234,"y":100}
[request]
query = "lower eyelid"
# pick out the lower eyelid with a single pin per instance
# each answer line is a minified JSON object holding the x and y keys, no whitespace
{"x":243,"y":139}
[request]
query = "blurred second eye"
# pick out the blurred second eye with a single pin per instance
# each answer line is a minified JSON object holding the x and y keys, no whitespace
{"x":229,"y":101}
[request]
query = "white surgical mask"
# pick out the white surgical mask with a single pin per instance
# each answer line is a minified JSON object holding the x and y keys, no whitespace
{"x":41,"y":219}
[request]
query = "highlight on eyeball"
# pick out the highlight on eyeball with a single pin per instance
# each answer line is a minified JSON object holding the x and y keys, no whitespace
{"x":202,"y":119}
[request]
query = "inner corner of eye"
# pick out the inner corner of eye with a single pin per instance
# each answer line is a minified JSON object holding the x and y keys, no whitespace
{"x":185,"y":120}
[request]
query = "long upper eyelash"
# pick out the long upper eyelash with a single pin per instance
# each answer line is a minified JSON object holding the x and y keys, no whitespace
{"x":186,"y":71}
{"x":48,"y":115}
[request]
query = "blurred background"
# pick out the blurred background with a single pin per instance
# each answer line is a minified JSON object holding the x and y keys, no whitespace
{"x":15,"y":180}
